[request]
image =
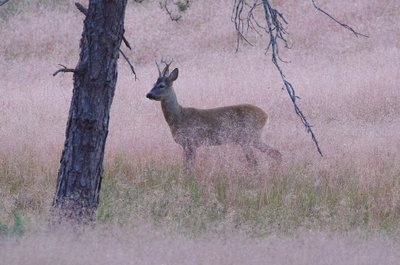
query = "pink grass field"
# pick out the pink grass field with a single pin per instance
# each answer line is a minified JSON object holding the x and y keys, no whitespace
{"x":349,"y":90}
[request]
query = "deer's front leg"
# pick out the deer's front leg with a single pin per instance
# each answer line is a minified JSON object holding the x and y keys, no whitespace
{"x":189,"y":153}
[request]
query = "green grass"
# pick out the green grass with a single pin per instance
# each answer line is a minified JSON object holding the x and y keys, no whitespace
{"x":14,"y":7}
{"x":299,"y":197}
{"x":16,"y":228}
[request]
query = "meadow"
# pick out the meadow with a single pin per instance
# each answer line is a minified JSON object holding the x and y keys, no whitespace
{"x":342,"y":208}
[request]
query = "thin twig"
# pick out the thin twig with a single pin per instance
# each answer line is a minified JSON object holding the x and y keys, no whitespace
{"x":238,"y":20}
{"x":357,"y":34}
{"x":64,"y":69}
{"x":164,"y":5}
{"x":251,"y":19}
{"x":130,"y":64}
{"x":126,"y":43}
{"x":81,"y":8}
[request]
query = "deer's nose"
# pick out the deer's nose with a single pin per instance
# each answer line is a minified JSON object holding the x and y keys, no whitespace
{"x":150,"y":96}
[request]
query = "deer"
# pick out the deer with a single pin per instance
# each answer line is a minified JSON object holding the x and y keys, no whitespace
{"x":192,"y":128}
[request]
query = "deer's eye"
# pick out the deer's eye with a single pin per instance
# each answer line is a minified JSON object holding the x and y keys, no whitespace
{"x":162,"y":86}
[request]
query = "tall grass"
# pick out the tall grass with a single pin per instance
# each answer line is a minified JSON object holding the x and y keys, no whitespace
{"x":298,"y":198}
{"x":214,"y":200}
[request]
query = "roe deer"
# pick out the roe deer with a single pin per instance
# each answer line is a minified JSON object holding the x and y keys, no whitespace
{"x":192,"y":128}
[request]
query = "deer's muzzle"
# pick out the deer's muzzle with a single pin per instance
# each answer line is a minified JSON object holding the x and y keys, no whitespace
{"x":151,"y":96}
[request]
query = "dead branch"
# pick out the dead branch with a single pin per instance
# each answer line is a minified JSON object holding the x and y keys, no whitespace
{"x":81,"y":8}
{"x":2,"y":2}
{"x":130,"y":64}
{"x":240,"y":22}
{"x":164,"y":6}
{"x":64,"y":69}
{"x":357,"y":34}
{"x":126,"y":43}
{"x":277,"y":33}
{"x":252,"y":21}
{"x":275,"y":27}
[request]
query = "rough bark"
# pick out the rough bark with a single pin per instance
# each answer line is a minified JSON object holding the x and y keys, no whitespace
{"x":2,"y":2}
{"x":80,"y":174}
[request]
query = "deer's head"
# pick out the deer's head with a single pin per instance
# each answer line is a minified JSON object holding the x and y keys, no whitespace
{"x":163,"y":86}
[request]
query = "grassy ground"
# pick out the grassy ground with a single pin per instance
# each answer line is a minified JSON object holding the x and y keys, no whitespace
{"x":212,"y":200}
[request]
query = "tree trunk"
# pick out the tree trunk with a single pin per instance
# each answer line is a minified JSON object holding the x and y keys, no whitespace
{"x":80,"y":174}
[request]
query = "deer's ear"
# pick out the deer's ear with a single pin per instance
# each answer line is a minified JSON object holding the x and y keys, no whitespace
{"x":174,"y":75}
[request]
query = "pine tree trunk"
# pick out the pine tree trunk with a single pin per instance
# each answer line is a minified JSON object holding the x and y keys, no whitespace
{"x":80,"y":174}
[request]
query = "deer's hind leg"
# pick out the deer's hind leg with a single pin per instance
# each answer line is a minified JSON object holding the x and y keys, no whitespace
{"x":250,"y":157}
{"x":275,"y":154}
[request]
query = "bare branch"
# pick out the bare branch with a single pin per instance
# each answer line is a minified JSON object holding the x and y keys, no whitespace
{"x":276,"y":33}
{"x":81,"y":8}
{"x":164,"y":6}
{"x":252,"y":21}
{"x":357,"y":34}
{"x":275,"y":27}
{"x":2,"y":2}
{"x":126,"y":43}
{"x":240,"y":23}
{"x":130,"y":65}
{"x":64,"y":69}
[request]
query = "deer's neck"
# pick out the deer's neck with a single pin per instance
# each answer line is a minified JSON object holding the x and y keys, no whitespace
{"x":171,"y":109}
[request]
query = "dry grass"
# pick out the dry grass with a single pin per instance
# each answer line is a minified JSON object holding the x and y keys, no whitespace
{"x":349,"y":90}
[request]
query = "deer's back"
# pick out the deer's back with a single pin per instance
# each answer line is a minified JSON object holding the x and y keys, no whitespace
{"x":238,"y":123}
